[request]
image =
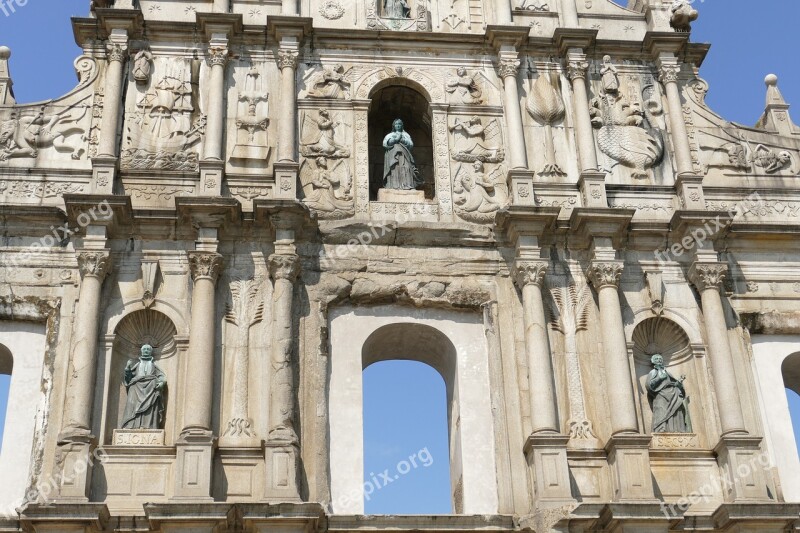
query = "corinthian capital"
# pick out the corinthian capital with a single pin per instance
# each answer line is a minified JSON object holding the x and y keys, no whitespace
{"x":217,"y":55}
{"x":116,"y":52}
{"x":284,"y":266}
{"x":707,"y":275}
{"x":205,"y":265}
{"x":527,"y":272}
{"x":577,"y":68}
{"x":95,"y":264}
{"x":668,"y":73}
{"x":288,"y":59}
{"x":605,"y":273}
{"x":508,"y":67}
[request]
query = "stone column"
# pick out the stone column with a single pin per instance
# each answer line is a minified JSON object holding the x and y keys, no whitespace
{"x":104,"y":164}
{"x":212,"y":165}
{"x":282,"y":445}
{"x":287,"y":125}
{"x":195,"y":445}
{"x":546,"y":448}
{"x":509,"y":67}
{"x":503,"y":12}
{"x":628,"y":453}
{"x":708,"y":278}
{"x":605,"y":277}
{"x":577,"y":67}
{"x":668,"y":74}
{"x":76,"y":440}
{"x":569,"y":14}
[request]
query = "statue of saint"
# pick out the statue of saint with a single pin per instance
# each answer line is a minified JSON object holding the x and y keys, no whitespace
{"x":609,"y":76}
{"x":144,"y":382}
{"x":396,"y":9}
{"x":399,"y":169}
{"x":668,"y":400}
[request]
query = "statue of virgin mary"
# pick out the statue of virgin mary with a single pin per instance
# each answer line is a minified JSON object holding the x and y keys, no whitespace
{"x":399,"y":169}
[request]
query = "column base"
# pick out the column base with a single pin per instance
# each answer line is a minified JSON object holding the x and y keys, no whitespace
{"x":282,"y":464}
{"x":521,"y":183}
{"x":211,"y":176}
{"x":547,"y":464}
{"x":690,"y":191}
{"x":629,"y":458}
{"x":593,"y":189}
{"x":75,"y":458}
{"x":104,"y":173}
{"x":193,"y":465}
{"x":286,"y":179}
{"x":742,"y":463}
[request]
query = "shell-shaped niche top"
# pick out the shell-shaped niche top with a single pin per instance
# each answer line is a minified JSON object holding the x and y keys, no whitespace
{"x":145,"y":327}
{"x":662,"y":336}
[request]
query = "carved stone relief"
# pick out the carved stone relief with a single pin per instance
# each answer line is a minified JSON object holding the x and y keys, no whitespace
{"x":327,"y":187}
{"x":627,"y":131}
{"x":479,"y":193}
{"x":252,"y":119}
{"x":466,"y":88}
{"x":477,"y":139}
{"x":325,"y":135}
{"x":546,"y":106}
{"x":329,"y":82}
{"x":397,"y":15}
{"x":165,"y":125}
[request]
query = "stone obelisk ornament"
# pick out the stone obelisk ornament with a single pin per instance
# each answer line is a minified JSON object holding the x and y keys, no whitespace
{"x":399,"y":168}
{"x":144,"y":382}
{"x":668,"y":399}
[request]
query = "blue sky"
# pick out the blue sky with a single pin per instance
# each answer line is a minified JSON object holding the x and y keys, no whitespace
{"x":405,"y":409}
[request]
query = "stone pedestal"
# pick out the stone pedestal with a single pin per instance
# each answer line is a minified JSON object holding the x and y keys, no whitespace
{"x":138,"y":437}
{"x":104,"y":170}
{"x":282,"y":461}
{"x":211,"y":176}
{"x":401,"y":197}
{"x":629,"y":458}
{"x":193,"y":465}
{"x":742,"y":463}
{"x":76,"y":462}
{"x":286,"y":180}
{"x":547,"y":463}
{"x":593,"y":189}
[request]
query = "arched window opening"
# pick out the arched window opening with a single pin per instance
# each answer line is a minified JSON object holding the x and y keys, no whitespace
{"x":409,"y":105}
{"x":6,"y":368}
{"x":406,"y":456}
{"x":790,"y":369}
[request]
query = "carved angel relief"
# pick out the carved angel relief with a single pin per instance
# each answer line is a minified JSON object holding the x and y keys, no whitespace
{"x":477,"y":193}
{"x":465,"y":88}
{"x":165,"y":125}
{"x":626,"y":129}
{"x":474,"y":141}
{"x":327,"y":188}
{"x":330,"y":82}
{"x":322,"y":136}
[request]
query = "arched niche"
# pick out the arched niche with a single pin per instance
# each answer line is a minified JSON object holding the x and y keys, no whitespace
{"x":454,"y":344}
{"x":409,"y":101}
{"x":659,"y":335}
{"x":133,"y":330}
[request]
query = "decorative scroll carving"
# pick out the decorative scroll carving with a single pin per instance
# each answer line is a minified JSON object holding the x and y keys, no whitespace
{"x":205,"y":265}
{"x":252,"y":121}
{"x":327,"y":189}
{"x":571,"y":315}
{"x":625,"y":131}
{"x":478,"y":194}
{"x":605,"y":274}
{"x":472,"y":141}
{"x":444,"y":192}
{"x":318,"y":136}
{"x":245,"y":310}
{"x":546,"y":106}
{"x":164,"y":193}
{"x":38,"y":189}
{"x":94,"y":263}
{"x":708,"y":275}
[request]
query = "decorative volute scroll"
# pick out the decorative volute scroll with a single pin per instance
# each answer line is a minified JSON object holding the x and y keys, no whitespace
{"x":527,"y":272}
{"x":47,"y":132}
{"x":245,"y":310}
{"x":545,"y":105}
{"x":625,"y":128}
{"x":570,"y":314}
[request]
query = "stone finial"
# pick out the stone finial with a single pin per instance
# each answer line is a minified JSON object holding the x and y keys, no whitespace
{"x":776,"y":112}
{"x":6,"y":91}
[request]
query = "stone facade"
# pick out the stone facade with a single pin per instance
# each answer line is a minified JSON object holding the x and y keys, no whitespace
{"x":209,"y":189}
